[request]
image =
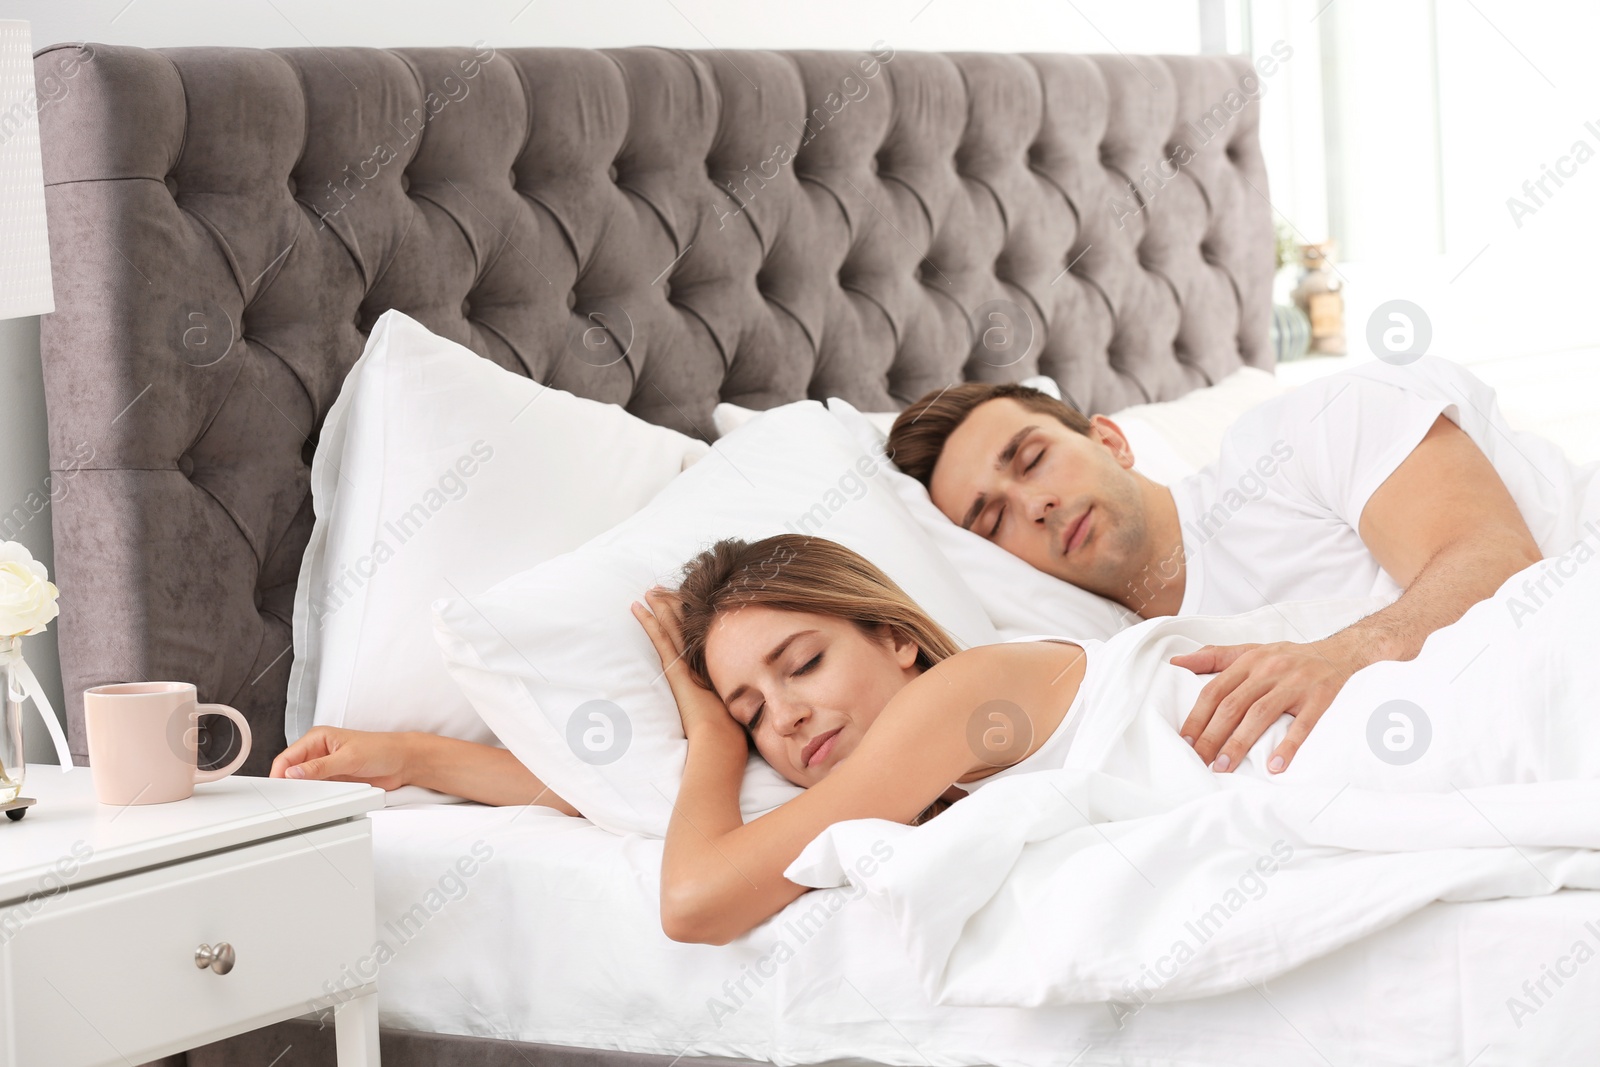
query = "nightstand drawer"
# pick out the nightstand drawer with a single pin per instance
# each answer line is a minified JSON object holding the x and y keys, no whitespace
{"x":106,"y":973}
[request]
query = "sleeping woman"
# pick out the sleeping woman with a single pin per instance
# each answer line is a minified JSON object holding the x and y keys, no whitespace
{"x":807,"y":652}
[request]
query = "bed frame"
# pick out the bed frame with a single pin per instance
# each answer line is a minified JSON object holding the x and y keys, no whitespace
{"x":756,"y":227}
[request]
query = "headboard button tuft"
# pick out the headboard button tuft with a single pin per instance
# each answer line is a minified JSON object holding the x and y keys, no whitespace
{"x":172,"y":186}
{"x":611,"y":172}
{"x":186,"y":465}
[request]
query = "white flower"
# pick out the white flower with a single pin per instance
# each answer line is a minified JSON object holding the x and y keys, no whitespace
{"x":27,"y":599}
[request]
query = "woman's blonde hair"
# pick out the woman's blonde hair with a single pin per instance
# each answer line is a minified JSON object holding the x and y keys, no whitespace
{"x":795,"y":572}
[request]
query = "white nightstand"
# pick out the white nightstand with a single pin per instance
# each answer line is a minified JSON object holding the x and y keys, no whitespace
{"x":103,"y":910}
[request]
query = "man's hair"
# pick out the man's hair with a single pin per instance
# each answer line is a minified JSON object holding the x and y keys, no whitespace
{"x":918,"y":435}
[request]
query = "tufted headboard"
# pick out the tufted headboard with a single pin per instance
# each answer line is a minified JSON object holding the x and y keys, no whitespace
{"x":757,"y":227}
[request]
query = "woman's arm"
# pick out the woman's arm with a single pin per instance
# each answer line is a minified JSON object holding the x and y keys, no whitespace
{"x":721,"y":877}
{"x":389,"y":760}
{"x":483,"y":773}
{"x":699,"y":874}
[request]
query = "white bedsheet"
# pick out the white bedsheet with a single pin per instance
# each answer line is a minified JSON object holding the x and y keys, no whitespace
{"x":1220,"y":882}
{"x":554,"y":938}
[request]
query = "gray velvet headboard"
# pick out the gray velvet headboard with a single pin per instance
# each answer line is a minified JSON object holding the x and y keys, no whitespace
{"x":755,"y":227}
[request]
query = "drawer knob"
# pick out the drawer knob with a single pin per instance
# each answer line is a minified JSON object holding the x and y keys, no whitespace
{"x":219,"y":959}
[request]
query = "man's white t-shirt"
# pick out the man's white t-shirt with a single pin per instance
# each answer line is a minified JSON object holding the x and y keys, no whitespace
{"x":1276,"y":517}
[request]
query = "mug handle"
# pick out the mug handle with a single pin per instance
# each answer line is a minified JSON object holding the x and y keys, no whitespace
{"x":244,"y":748}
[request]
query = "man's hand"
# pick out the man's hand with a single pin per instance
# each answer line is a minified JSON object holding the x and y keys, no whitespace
{"x":1255,"y":684}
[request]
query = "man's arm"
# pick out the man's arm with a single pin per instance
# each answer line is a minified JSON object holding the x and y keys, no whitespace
{"x":1444,"y":526}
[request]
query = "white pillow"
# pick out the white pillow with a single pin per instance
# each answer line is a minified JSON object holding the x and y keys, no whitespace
{"x":1153,"y":455}
{"x":439,"y":473}
{"x":1181,"y":436}
{"x":727,"y":418}
{"x":556,"y":663}
{"x":1019,"y":599}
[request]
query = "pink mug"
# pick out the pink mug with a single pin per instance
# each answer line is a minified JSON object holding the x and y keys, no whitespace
{"x":144,"y":741}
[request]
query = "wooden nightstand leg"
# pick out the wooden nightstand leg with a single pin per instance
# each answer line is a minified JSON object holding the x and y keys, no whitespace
{"x":355,"y":1030}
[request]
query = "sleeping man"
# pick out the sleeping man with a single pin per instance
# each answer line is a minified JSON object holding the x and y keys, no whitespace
{"x":1398,"y":481}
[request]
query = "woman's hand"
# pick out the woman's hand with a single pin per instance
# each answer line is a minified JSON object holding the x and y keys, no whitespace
{"x":330,"y":753}
{"x":700,"y":708}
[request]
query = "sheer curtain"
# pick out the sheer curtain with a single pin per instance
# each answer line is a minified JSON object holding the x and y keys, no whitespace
{"x":1452,"y":148}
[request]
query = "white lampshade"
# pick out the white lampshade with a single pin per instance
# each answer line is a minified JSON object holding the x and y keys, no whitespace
{"x":24,"y":240}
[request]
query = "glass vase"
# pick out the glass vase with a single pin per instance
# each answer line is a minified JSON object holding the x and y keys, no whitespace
{"x":12,"y":756}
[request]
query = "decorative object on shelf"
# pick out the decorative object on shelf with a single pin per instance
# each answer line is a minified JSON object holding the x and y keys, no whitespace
{"x":27,"y":604}
{"x":1320,"y":296}
{"x":13,"y":756}
{"x":1285,"y":247}
{"x":1291,"y":333}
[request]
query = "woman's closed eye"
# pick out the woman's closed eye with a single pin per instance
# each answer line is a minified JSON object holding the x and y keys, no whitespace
{"x":806,"y":667}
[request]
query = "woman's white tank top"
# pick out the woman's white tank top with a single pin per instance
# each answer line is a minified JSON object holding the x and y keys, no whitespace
{"x":1052,"y":753}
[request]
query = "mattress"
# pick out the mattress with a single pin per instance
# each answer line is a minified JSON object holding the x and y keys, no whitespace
{"x":521,"y":923}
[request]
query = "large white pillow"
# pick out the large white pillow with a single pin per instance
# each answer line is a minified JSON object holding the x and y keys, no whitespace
{"x":726,"y":418}
{"x":1171,"y":439}
{"x":1153,"y":455}
{"x":439,"y":473}
{"x":1174,"y":438}
{"x":1019,"y":599}
{"x":557,"y":665}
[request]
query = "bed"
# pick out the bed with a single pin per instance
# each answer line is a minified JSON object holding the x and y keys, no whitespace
{"x":227,"y":224}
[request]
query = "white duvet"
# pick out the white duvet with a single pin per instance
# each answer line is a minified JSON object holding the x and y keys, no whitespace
{"x":1135,"y":874}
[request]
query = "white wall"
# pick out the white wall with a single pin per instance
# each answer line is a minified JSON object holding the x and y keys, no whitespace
{"x":1292,"y":136}
{"x":1403,"y":130}
{"x":931,"y":25}
{"x":24,"y":496}
{"x":1519,"y":87}
{"x":927,"y":25}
